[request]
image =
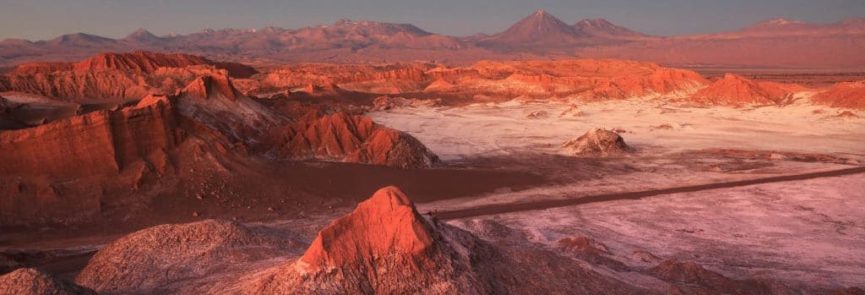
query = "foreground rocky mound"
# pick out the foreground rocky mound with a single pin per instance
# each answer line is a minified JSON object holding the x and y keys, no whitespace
{"x":29,"y":281}
{"x":343,"y":137}
{"x":151,"y":258}
{"x":844,"y":95}
{"x":386,"y":247}
{"x":691,"y":278}
{"x":597,"y":142}
{"x":733,"y":90}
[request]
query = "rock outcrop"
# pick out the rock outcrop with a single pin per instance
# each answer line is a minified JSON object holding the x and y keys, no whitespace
{"x":541,"y":79}
{"x":98,"y":143}
{"x":212,"y":100}
{"x":843,"y":95}
{"x":733,"y":90}
{"x":151,"y":258}
{"x":343,"y":137}
{"x":110,"y":75}
{"x":29,"y":281}
{"x":386,"y":247}
{"x":597,"y":142}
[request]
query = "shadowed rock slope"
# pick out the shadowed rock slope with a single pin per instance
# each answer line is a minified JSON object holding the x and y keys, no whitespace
{"x":29,"y":281}
{"x":147,"y":260}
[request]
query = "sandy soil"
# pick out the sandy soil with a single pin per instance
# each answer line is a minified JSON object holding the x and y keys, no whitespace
{"x":653,"y":126}
{"x":804,"y":233}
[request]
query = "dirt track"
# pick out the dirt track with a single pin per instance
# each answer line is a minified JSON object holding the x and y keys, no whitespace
{"x":546,"y":204}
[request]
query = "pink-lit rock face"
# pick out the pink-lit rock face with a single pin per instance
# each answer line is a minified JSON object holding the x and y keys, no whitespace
{"x":99,"y":143}
{"x":385,"y":224}
{"x":845,"y":95}
{"x":112,"y":75}
{"x":737,"y":91}
{"x":170,"y":172}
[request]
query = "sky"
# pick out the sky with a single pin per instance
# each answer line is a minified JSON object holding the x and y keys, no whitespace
{"x":45,"y":19}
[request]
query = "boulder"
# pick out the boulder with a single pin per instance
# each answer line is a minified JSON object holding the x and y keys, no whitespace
{"x":597,"y":142}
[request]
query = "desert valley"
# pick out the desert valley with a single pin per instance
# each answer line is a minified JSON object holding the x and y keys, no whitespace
{"x":376,"y":158}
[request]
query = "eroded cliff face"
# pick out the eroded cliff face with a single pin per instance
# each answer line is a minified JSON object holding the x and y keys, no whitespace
{"x":98,"y":143}
{"x":111,"y":76}
{"x":343,"y":137}
{"x":74,"y":165}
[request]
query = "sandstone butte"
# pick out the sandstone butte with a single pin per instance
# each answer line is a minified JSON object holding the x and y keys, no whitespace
{"x":843,"y":95}
{"x":734,"y":90}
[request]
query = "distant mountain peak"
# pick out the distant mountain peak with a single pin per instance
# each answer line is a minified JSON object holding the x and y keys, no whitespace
{"x":600,"y":27}
{"x":141,"y":35}
{"x":538,"y":27}
{"x":80,"y":39}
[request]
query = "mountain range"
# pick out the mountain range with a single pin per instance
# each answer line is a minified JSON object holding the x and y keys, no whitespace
{"x":774,"y":43}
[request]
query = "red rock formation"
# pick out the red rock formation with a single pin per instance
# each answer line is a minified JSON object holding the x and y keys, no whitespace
{"x":597,"y":142}
{"x":385,"y":247}
{"x":107,"y":76}
{"x":29,"y":281}
{"x":844,"y":95}
{"x":383,"y":225}
{"x":98,"y":143}
{"x":350,"y":138}
{"x":588,"y":79}
{"x":734,"y":90}
{"x":212,"y":100}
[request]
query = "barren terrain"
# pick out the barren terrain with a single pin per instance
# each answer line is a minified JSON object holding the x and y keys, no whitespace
{"x":173,"y":174}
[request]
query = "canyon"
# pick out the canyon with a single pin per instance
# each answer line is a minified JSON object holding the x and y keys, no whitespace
{"x":376,"y":158}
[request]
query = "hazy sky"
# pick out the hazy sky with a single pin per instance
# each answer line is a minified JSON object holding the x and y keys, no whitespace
{"x":44,"y":19}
